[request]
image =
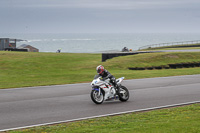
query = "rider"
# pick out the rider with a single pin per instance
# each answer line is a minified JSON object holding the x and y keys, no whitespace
{"x":105,"y":74}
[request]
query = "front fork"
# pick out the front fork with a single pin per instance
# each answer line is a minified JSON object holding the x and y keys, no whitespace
{"x":97,"y":89}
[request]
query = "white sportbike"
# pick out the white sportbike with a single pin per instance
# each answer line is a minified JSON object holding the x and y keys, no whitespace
{"x":103,"y":90}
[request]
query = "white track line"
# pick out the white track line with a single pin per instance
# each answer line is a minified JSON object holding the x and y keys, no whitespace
{"x":139,"y":110}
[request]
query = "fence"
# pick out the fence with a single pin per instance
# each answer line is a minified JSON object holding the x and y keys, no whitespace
{"x":170,"y":44}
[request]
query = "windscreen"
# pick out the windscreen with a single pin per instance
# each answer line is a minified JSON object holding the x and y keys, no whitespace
{"x":96,"y":76}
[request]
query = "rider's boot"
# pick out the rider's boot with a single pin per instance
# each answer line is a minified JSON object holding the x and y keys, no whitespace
{"x":116,"y":88}
{"x":114,"y":82}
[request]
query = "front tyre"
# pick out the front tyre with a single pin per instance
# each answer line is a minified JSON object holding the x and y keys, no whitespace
{"x":123,"y":94}
{"x":96,"y":98}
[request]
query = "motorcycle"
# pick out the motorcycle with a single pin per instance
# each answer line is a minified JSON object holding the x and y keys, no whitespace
{"x":103,"y":90}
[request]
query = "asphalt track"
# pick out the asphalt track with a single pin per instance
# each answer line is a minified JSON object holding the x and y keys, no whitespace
{"x":34,"y":106}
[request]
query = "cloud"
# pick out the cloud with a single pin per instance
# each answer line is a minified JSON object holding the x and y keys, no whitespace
{"x":98,"y":15}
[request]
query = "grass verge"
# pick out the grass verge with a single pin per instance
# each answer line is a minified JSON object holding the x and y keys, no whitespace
{"x":185,"y":119}
{"x":22,"y":69}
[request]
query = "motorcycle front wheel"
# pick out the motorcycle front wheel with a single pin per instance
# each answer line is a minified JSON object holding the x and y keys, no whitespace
{"x":96,"y":98}
{"x":123,"y":94}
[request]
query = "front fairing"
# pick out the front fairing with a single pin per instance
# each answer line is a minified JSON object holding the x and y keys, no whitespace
{"x":97,"y":81}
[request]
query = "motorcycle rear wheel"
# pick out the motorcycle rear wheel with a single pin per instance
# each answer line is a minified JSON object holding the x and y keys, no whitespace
{"x":96,"y":98}
{"x":123,"y":94}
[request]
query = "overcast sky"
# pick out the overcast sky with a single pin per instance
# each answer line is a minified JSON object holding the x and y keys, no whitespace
{"x":99,"y":16}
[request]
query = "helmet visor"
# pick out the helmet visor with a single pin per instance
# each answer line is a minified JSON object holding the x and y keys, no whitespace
{"x":100,"y":71}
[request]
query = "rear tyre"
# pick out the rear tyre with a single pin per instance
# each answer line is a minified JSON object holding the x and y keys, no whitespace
{"x":96,"y":98}
{"x":123,"y":94}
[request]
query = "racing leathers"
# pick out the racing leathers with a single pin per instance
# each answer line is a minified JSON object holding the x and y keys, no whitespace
{"x":105,"y":75}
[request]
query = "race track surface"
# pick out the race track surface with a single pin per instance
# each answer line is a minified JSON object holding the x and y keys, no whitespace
{"x":29,"y":106}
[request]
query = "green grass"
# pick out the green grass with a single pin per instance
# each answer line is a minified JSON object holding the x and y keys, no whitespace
{"x":153,"y":59}
{"x":184,"y":119}
{"x":21,"y":69}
